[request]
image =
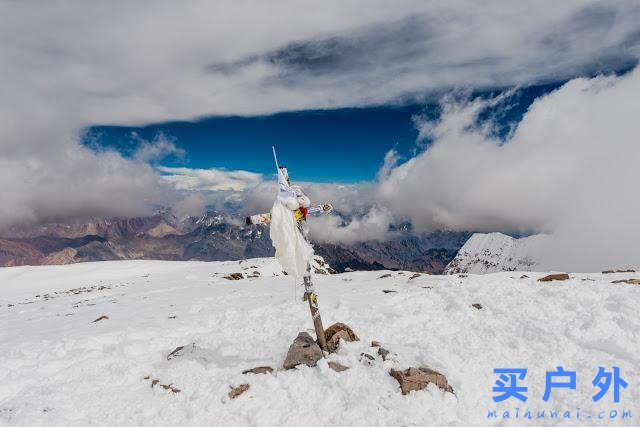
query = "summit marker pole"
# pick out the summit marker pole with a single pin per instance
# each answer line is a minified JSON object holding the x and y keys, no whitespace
{"x":312,"y":297}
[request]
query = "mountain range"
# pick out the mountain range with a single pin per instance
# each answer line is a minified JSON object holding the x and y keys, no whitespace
{"x":211,"y":237}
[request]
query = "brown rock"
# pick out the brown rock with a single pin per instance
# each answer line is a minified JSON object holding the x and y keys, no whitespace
{"x":103,"y":317}
{"x":383,"y":352}
{"x":415,"y":276}
{"x":418,"y":378}
{"x":337,"y":366}
{"x":476,"y":305}
{"x":331,"y":330}
{"x":550,"y":277}
{"x":384,"y":276}
{"x":334,"y":342}
{"x":237,"y":391}
{"x":628,"y":281}
{"x":168,"y":387}
{"x":303,"y":350}
{"x":259,"y":370}
{"x":234,"y":276}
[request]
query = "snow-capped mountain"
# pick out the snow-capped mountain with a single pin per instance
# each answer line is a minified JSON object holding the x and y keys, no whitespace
{"x":493,"y":252}
{"x":95,"y":343}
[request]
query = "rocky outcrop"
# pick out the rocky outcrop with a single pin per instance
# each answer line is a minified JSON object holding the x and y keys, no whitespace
{"x":65,"y":256}
{"x":161,"y":230}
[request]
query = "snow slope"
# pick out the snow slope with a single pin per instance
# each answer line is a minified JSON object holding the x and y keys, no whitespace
{"x":493,"y":252}
{"x":57,"y":367}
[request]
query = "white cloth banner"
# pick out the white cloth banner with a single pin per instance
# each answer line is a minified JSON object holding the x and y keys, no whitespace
{"x":285,"y":193}
{"x":292,"y":250}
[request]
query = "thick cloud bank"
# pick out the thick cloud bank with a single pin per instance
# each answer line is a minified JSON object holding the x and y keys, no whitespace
{"x":67,"y":65}
{"x":570,"y":168}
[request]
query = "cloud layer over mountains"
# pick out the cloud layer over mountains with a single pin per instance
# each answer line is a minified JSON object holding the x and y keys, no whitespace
{"x":68,"y":65}
{"x":569,"y":169}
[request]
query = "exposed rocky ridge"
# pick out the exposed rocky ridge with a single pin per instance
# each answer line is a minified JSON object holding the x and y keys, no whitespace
{"x":212,"y":237}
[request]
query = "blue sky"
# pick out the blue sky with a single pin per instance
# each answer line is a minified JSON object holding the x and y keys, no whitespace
{"x":339,"y":145}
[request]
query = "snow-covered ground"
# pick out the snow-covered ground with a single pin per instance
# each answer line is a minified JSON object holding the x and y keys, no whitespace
{"x":58,"y":367}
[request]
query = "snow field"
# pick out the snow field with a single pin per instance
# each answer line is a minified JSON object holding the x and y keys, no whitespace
{"x":58,"y":367}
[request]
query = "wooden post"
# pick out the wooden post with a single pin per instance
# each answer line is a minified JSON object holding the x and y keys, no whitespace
{"x":317,"y":320}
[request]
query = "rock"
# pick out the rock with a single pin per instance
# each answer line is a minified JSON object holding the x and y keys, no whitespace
{"x":237,"y":391}
{"x":367,"y":358}
{"x":476,"y":305}
{"x":524,"y":276}
{"x":384,"y":276}
{"x":628,"y":281}
{"x":550,"y":277}
{"x":168,"y":387}
{"x":103,"y":317}
{"x":383,"y":352}
{"x":334,"y":333}
{"x":618,"y":271}
{"x":259,"y":370}
{"x":303,"y":350}
{"x":375,"y":344}
{"x":418,"y":378}
{"x":193,"y":352}
{"x":337,"y":367}
{"x":333,"y":329}
{"x":415,"y":276}
{"x":334,"y":341}
{"x":388,"y":291}
{"x":176,"y":352}
{"x":234,"y":276}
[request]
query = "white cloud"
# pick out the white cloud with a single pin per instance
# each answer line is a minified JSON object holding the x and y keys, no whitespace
{"x":373,"y":225}
{"x":569,"y":169}
{"x":193,"y":204}
{"x":209,"y":179}
{"x":67,"y":65}
{"x":157,"y":149}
